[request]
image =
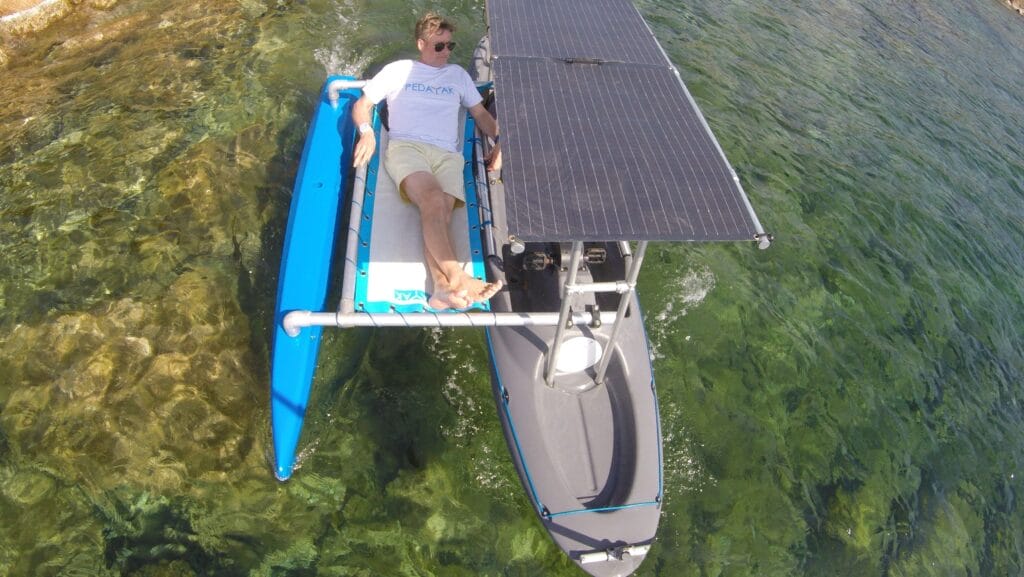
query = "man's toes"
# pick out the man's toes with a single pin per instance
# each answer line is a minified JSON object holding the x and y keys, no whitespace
{"x":490,"y":290}
{"x":443,"y":299}
{"x":459,"y":300}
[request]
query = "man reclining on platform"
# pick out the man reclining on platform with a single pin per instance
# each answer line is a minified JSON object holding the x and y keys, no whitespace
{"x":425,"y":98}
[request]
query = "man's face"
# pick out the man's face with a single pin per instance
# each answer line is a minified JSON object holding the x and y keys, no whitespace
{"x":428,"y":51}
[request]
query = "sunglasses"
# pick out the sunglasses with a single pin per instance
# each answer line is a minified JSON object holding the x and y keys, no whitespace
{"x":439,"y":46}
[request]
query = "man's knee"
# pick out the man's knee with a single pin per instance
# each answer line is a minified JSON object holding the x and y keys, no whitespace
{"x":429,"y":197}
{"x":437,"y":205}
{"x":418,"y":186}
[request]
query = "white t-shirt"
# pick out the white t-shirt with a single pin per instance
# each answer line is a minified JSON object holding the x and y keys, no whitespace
{"x":424,"y":102}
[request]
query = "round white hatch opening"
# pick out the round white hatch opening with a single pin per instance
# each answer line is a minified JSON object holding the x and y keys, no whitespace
{"x":578,"y":354}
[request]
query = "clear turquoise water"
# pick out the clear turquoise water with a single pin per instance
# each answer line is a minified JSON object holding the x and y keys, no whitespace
{"x":846,"y":403}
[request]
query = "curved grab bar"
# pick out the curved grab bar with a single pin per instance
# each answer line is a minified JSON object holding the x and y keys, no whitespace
{"x":336,"y":86}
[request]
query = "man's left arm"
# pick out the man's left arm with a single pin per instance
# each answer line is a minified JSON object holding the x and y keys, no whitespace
{"x":489,"y":126}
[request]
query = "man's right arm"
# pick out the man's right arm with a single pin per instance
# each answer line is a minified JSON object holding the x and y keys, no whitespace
{"x":367,"y":143}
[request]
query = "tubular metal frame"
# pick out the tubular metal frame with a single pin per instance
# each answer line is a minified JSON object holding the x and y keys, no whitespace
{"x":346,"y":315}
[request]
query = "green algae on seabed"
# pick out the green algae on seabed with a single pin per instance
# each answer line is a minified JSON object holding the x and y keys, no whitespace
{"x":876,"y":391}
{"x":846,"y":403}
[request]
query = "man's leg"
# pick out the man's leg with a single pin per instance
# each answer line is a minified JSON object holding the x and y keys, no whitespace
{"x":442,"y":296}
{"x":435,"y":208}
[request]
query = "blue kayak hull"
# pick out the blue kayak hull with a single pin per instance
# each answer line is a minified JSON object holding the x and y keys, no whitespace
{"x":306,"y":265}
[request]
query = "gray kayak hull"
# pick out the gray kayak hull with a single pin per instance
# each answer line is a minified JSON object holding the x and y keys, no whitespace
{"x":588,"y":455}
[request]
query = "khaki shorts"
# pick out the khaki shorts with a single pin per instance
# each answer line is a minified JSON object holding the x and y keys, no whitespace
{"x":405,"y":157}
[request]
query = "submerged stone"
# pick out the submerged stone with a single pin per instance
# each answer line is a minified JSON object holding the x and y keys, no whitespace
{"x":28,"y":487}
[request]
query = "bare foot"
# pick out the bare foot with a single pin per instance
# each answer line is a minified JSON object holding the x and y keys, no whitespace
{"x":447,"y":299}
{"x":475,"y":289}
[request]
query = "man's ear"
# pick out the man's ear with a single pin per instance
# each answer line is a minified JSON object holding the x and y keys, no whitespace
{"x":420,"y":43}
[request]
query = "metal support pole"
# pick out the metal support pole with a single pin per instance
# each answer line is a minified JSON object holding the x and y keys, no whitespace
{"x":626,"y":251}
{"x":563,"y":314}
{"x":619,"y":286}
{"x":624,"y":302}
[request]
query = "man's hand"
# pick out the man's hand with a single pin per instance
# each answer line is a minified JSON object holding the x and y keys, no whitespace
{"x":364,"y":149}
{"x":493,"y":158}
{"x":489,"y":126}
{"x":367,"y":143}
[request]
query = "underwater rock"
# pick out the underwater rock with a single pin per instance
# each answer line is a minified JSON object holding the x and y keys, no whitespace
{"x":24,"y":16}
{"x":28,"y":487}
{"x":138,"y":346}
{"x":202,"y":312}
{"x":164,"y":390}
{"x":89,"y":378}
{"x":232,"y":392}
{"x":166,"y":373}
{"x":250,"y":146}
{"x":199,"y":194}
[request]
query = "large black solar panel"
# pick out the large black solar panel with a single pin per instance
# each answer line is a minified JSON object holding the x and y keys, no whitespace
{"x":600,"y":139}
{"x":610,"y":152}
{"x":610,"y":30}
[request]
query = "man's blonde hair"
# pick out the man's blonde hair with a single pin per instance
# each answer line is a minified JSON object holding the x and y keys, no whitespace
{"x":430,"y":23}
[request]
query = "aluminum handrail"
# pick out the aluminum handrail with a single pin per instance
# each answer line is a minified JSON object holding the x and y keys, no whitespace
{"x":619,"y":286}
{"x":335,"y":88}
{"x":355,"y":220}
{"x":295,"y":321}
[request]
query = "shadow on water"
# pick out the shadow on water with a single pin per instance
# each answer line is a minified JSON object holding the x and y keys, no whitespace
{"x":135,"y":540}
{"x":387,"y":382}
{"x":257,"y":288}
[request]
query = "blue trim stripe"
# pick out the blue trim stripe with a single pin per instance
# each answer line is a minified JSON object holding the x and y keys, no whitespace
{"x":661,"y":465}
{"x":512,"y":428}
{"x":657,"y":406}
{"x":605,"y":509}
{"x":473,"y":207}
